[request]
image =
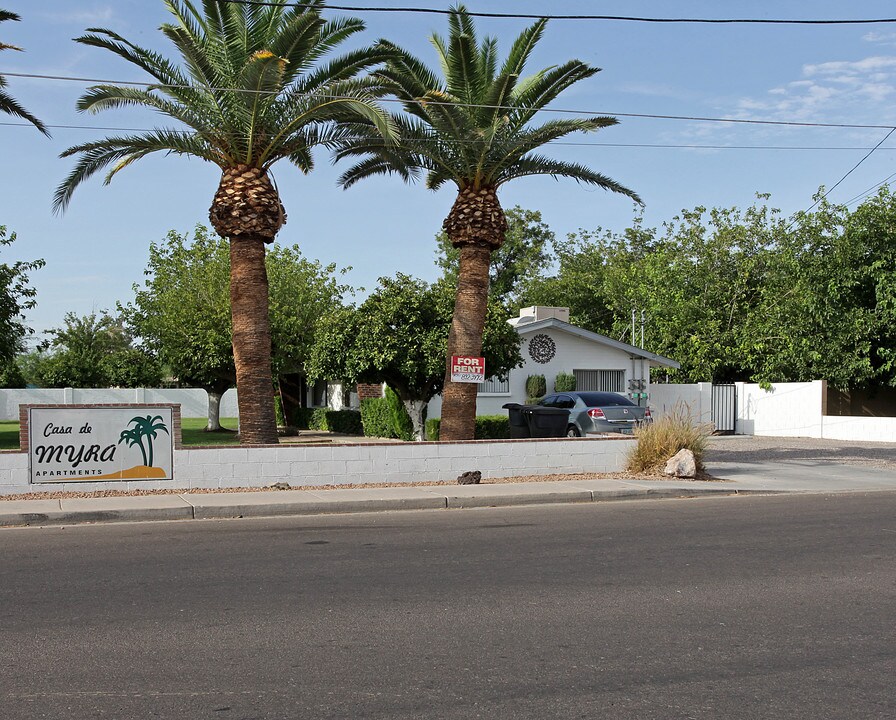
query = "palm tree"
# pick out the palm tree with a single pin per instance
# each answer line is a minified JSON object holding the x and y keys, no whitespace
{"x":148,"y":427}
{"x":251,"y":90}
{"x":8,"y":103}
{"x":473,"y":129}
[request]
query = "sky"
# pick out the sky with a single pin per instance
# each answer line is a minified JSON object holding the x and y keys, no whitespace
{"x":98,"y":248}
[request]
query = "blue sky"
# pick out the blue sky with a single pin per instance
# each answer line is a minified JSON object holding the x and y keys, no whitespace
{"x":831,"y":74}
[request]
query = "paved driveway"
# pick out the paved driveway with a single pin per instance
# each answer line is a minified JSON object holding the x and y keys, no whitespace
{"x":803,"y":463}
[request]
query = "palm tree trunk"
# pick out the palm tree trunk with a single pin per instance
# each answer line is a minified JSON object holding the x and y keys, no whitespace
{"x":465,"y":338}
{"x":252,"y":340}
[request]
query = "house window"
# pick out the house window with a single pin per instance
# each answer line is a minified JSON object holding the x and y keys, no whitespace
{"x":494,"y":386}
{"x":600,"y":380}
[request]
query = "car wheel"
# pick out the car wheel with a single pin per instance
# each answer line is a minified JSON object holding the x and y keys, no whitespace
{"x":573,"y":431}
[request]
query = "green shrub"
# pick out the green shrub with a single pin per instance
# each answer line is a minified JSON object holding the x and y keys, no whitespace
{"x":661,"y":439}
{"x":488,"y":427}
{"x":346,"y":422}
{"x":402,"y":427}
{"x":301,"y":418}
{"x":564,"y":382}
{"x":375,"y":418}
{"x":536,"y":386}
{"x":532,"y":400}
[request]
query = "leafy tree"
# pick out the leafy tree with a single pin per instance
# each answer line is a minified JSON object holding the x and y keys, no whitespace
{"x":188,"y":277}
{"x":8,"y":104}
{"x":16,"y":296}
{"x":473,"y":129}
{"x":96,"y":351}
{"x":251,"y":90}
{"x":522,"y":256}
{"x":399,"y":336}
{"x":11,"y":376}
{"x":827,"y":310}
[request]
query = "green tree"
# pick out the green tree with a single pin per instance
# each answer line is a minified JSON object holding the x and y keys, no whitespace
{"x":188,"y":277}
{"x":473,"y":129}
{"x":8,"y":104}
{"x":16,"y":296}
{"x":399,"y":336}
{"x":829,"y":308}
{"x":251,"y":90}
{"x":521,"y":258}
{"x":95,"y":351}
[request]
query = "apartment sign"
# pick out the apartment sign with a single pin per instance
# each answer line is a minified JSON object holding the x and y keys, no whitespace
{"x":91,"y":444}
{"x":465,"y":369}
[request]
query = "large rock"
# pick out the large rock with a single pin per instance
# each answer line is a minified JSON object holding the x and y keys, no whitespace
{"x":682,"y":465}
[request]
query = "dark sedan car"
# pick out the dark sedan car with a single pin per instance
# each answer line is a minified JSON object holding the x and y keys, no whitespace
{"x":598,"y":412}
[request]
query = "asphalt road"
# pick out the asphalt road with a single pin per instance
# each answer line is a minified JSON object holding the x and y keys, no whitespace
{"x":744,"y":607}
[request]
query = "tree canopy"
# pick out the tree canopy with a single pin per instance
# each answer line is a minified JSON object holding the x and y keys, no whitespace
{"x":399,"y":336}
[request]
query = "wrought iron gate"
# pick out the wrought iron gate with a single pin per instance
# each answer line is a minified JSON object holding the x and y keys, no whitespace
{"x":724,"y":408}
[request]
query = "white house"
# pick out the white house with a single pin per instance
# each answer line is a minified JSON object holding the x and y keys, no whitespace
{"x":550,"y":345}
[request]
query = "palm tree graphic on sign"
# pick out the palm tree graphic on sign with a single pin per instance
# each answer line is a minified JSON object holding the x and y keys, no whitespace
{"x":144,"y":427}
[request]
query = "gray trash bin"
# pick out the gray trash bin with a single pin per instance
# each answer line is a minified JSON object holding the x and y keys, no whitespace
{"x":547,"y":422}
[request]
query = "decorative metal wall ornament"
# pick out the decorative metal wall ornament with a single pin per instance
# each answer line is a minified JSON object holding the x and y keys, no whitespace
{"x":542,"y":349}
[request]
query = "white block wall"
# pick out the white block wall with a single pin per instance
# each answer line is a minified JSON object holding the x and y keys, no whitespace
{"x":351,"y":464}
{"x":193,"y":401}
{"x":785,"y":410}
{"x":872,"y":429}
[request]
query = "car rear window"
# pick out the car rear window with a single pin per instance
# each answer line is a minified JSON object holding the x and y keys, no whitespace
{"x":599,"y":399}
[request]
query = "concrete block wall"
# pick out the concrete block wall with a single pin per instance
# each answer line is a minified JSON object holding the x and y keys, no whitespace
{"x":352,"y":464}
{"x":872,"y":429}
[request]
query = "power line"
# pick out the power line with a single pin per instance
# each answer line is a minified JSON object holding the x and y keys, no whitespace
{"x":854,"y":167}
{"x":590,"y":113}
{"x":622,"y":18}
{"x":654,"y":146}
{"x":866,"y":193}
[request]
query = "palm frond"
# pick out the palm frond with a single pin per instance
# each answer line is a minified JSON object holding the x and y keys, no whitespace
{"x":539,"y":165}
{"x":98,"y":155}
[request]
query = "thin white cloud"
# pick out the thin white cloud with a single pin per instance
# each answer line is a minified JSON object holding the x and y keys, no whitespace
{"x":880,"y":38}
{"x":98,"y":15}
{"x":857,"y":91}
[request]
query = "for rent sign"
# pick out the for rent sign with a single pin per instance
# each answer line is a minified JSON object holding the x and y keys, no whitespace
{"x":465,"y":369}
{"x":89,"y":444}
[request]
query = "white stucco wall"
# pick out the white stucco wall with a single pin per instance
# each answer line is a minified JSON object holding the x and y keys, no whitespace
{"x":573,"y":353}
{"x":784,"y":410}
{"x":193,"y":401}
{"x":228,"y":467}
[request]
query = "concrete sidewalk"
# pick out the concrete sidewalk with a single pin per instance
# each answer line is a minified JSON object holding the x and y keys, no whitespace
{"x":188,"y":506}
{"x":734,"y":479}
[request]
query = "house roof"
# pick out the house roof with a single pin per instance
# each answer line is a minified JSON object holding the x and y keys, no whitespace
{"x":653,"y":358}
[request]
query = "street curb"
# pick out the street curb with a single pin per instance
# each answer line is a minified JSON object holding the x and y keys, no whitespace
{"x":206,"y":506}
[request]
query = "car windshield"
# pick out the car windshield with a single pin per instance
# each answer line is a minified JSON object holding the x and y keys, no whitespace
{"x":597,"y":399}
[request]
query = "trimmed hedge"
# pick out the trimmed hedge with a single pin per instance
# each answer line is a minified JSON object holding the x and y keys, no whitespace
{"x":402,"y":427}
{"x":488,"y":427}
{"x":376,"y":420}
{"x":347,"y":422}
{"x":536,"y":386}
{"x":564,"y":382}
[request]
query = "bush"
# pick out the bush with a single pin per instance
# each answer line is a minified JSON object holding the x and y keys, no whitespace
{"x":488,"y":427}
{"x":536,"y":386}
{"x":347,"y":422}
{"x":402,"y":427}
{"x":661,"y":439}
{"x":564,"y":382}
{"x":375,"y":419}
{"x":301,"y":418}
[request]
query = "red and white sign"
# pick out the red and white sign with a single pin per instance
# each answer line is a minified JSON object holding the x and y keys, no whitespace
{"x":466,"y":369}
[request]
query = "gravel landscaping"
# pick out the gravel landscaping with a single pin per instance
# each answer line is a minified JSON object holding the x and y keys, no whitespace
{"x":725,"y":448}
